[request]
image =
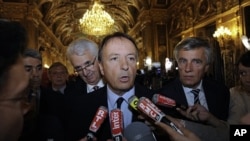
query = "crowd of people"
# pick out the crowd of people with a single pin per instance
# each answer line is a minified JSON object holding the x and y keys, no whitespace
{"x":107,"y":74}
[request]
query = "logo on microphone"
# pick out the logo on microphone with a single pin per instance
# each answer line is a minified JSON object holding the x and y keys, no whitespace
{"x":133,"y":101}
{"x":116,"y":122}
{"x":101,"y":114}
{"x":149,"y":110}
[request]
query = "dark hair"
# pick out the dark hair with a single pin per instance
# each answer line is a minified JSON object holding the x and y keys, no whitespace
{"x":244,"y":59}
{"x":57,"y":64}
{"x":30,"y":52}
{"x":13,"y":39}
{"x":191,"y":43}
{"x":112,"y":36}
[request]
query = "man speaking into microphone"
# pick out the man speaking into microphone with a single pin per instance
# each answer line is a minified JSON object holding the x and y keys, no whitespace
{"x":117,"y":58}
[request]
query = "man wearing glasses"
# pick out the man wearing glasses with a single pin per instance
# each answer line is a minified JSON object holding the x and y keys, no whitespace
{"x":82,"y":54}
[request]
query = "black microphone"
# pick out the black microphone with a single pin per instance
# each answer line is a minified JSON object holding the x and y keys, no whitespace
{"x":96,"y":123}
{"x":167,"y":102}
{"x":153,"y":112}
{"x":138,"y":131}
{"x":116,"y":124}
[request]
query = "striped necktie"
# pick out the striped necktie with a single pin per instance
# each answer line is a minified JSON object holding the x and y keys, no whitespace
{"x":95,"y":88}
{"x":196,"y":96}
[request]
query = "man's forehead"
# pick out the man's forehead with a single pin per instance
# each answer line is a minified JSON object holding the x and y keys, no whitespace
{"x":32,"y":61}
{"x":31,"y":65}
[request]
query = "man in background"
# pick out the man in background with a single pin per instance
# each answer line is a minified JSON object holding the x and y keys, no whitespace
{"x":207,"y":99}
{"x":52,"y":107}
{"x":55,"y":97}
{"x":33,"y":65}
{"x":58,"y":75}
{"x":83,"y":53}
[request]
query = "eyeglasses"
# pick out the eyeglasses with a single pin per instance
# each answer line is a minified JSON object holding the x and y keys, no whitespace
{"x":88,"y":66}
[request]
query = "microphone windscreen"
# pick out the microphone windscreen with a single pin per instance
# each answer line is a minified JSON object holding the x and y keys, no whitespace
{"x":138,"y":131}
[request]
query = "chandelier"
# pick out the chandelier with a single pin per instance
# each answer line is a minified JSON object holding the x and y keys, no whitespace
{"x":223,"y":35}
{"x":96,"y":21}
{"x":222,"y":32}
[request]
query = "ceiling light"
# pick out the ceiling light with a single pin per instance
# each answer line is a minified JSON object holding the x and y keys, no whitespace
{"x":96,"y":21}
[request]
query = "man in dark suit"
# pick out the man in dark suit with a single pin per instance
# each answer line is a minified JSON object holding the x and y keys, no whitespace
{"x":118,"y":55}
{"x":54,"y":102}
{"x":52,"y":106}
{"x":33,"y":65}
{"x":207,"y":99}
{"x":82,"y":54}
{"x":40,"y":122}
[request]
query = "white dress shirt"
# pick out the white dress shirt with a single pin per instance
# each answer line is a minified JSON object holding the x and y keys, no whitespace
{"x":127,"y":114}
{"x":90,"y":88}
{"x":190,"y":97}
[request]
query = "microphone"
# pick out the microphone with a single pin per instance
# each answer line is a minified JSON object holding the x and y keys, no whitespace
{"x":167,"y":102}
{"x":153,"y":112}
{"x":133,"y":101}
{"x":116,"y":121}
{"x":138,"y":131}
{"x":96,"y":123}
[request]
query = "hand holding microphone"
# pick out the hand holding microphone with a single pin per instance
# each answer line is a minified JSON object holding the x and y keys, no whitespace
{"x":175,"y":136}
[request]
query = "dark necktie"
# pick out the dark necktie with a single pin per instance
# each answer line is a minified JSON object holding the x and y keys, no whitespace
{"x":196,"y":96}
{"x":119,"y":102}
{"x":95,"y":87}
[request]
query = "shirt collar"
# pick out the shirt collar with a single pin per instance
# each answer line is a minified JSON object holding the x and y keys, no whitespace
{"x":187,"y":89}
{"x":112,"y":97}
{"x":61,"y":89}
{"x":99,"y":84}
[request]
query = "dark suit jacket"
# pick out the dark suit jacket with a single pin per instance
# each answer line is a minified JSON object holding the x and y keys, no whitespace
{"x":53,"y":103}
{"x":83,"y":109}
{"x":217,"y":96}
{"x":77,"y":87}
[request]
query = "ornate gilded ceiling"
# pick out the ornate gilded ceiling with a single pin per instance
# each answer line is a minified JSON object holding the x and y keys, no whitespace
{"x":62,"y":16}
{"x":156,"y":25}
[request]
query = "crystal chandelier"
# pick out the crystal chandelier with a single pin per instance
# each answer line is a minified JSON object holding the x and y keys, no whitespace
{"x":96,"y":21}
{"x":222,"y":34}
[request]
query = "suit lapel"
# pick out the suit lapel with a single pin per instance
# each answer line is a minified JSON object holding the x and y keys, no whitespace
{"x":180,"y":96}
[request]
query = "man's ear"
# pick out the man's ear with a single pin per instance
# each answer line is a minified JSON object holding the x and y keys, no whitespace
{"x":101,"y":68}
